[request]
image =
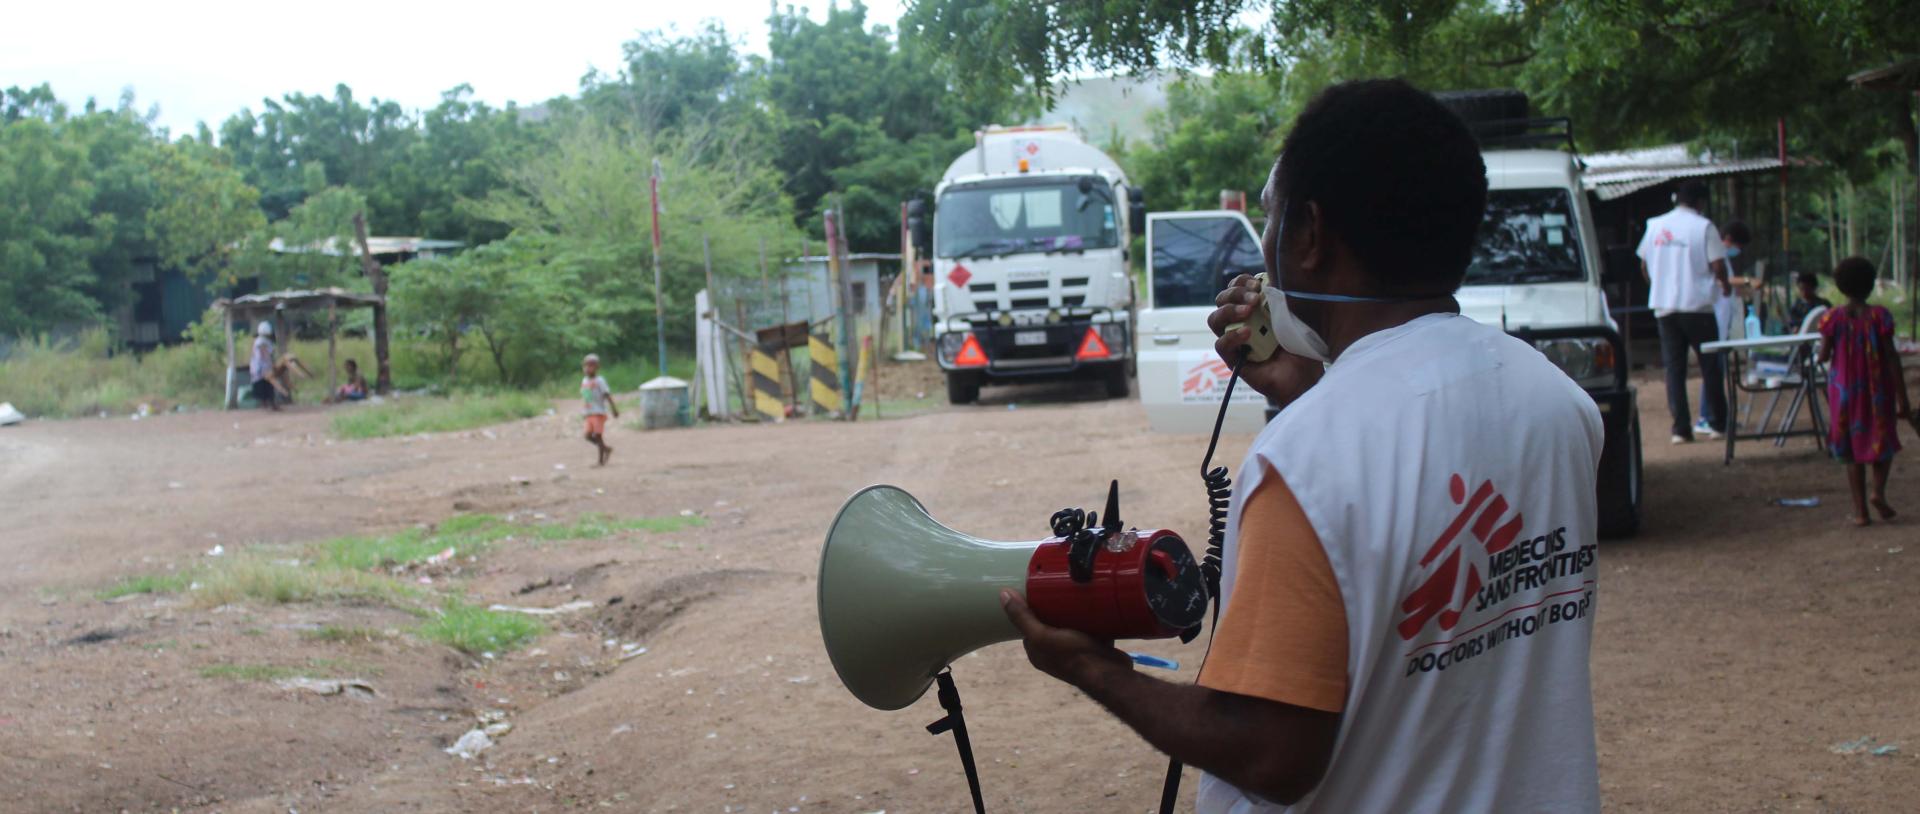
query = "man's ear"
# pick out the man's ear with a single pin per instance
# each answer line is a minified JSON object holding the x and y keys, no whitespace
{"x":1312,"y":241}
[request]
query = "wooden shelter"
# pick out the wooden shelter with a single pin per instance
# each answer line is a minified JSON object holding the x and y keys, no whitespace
{"x":277,"y":306}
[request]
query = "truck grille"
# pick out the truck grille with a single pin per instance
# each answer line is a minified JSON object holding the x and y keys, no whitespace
{"x":1039,"y":294}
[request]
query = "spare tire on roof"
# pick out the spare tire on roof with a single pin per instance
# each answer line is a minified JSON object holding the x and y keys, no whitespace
{"x":1491,"y":114}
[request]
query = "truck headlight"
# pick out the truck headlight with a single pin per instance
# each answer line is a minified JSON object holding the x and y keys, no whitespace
{"x":1588,"y":361}
{"x":1115,"y":335}
{"x":948,"y":346}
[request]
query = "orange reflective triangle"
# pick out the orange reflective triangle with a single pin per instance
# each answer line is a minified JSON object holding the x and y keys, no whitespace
{"x":1092,"y":347}
{"x":971,"y":354}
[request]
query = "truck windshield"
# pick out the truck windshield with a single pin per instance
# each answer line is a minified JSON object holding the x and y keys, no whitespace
{"x":1027,"y":215}
{"x":1529,"y":236}
{"x":1195,"y":257}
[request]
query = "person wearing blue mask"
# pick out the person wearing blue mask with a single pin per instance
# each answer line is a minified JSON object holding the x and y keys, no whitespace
{"x":1728,"y":308}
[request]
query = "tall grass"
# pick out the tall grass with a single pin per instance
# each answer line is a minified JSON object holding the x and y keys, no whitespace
{"x":408,"y":416}
{"x":91,"y":373}
{"x":88,"y":375}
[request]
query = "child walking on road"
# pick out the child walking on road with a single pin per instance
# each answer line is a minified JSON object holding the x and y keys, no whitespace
{"x":1865,"y":387}
{"x":599,"y":401}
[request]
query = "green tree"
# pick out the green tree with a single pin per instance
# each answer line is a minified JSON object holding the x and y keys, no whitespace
{"x":99,"y":200}
{"x":204,"y":211}
{"x":865,"y":116}
{"x":586,"y":195}
{"x":47,"y":232}
{"x":1627,"y":71}
{"x":346,"y":142}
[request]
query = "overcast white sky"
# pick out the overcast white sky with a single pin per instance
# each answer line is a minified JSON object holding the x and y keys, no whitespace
{"x":203,"y":60}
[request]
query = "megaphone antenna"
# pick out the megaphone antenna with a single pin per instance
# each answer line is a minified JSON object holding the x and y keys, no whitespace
{"x":1112,"y":513}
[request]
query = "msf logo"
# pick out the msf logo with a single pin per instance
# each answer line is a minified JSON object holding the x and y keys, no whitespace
{"x":1205,"y":379}
{"x":1446,"y":589}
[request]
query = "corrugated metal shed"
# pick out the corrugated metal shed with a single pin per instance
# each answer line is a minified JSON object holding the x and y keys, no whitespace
{"x":1618,"y":174}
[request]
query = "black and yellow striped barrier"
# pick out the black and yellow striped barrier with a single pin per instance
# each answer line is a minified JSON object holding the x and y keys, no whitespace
{"x":768,"y":395}
{"x":825,"y":386}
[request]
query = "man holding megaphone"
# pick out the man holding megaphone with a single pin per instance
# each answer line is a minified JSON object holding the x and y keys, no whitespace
{"x":1407,"y":597}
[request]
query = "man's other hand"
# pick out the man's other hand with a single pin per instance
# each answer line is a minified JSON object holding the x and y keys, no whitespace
{"x":1068,"y":655}
{"x":1281,"y":377}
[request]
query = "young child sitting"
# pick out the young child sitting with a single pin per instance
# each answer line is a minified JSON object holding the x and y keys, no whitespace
{"x":1808,"y":284}
{"x":355,"y":388}
{"x":1865,"y":387}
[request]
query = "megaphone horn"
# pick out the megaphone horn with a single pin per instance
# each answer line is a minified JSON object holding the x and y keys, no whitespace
{"x":902,"y":596}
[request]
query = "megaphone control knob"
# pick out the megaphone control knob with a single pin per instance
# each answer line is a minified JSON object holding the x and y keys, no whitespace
{"x":1163,"y":561}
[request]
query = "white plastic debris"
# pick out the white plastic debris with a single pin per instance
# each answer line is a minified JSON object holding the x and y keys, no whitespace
{"x":570,"y":607}
{"x":444,"y":555}
{"x":329,"y":686}
{"x":470,"y":745}
{"x":216,"y":551}
{"x":10,"y":416}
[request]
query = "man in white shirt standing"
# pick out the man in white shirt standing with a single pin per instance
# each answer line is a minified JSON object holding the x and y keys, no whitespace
{"x":1685,"y":265}
{"x":1407,"y":591}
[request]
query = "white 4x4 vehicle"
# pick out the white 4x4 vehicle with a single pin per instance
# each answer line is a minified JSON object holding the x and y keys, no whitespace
{"x":1535,"y":272}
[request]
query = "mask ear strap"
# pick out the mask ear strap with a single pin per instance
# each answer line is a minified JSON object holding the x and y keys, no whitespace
{"x":1304,"y":295}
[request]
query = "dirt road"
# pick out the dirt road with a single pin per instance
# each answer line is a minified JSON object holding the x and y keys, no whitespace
{"x":1737,"y":641}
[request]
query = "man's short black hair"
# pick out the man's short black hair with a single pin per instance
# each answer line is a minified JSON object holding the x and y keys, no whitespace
{"x":1738,"y":234}
{"x":1397,"y":176}
{"x":1854,"y":277}
{"x":1807,"y":278}
{"x":1692,"y":194}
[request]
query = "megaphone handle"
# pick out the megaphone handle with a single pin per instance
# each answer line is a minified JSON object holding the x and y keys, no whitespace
{"x":956,"y":723}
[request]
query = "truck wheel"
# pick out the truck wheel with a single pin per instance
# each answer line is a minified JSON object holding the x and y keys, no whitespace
{"x":1116,"y":380}
{"x":1619,"y":487}
{"x":963,"y":387}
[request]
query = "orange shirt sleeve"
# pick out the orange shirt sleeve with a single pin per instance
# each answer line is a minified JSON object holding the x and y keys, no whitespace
{"x":1283,"y":634}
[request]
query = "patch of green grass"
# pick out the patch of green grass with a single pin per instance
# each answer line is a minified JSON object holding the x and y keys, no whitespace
{"x":474,"y":629}
{"x":344,"y":633}
{"x":464,"y":411}
{"x":596,"y":526}
{"x":167,"y":583}
{"x":279,"y":583}
{"x":465,"y":534}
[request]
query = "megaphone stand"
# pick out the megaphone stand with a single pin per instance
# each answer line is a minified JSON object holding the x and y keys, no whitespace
{"x":956,"y":723}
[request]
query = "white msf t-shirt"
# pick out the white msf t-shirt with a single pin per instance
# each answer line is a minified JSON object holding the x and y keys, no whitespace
{"x":1448,"y":470}
{"x":1679,"y":248}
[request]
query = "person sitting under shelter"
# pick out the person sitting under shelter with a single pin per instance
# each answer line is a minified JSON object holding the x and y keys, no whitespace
{"x":261,"y":368}
{"x":355,"y":388}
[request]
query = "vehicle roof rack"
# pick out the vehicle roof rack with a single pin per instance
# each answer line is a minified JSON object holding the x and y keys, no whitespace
{"x":1551,"y":131}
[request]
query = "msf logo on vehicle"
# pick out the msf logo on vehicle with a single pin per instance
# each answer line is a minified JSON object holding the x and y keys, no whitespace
{"x":1449,"y":586}
{"x":1204,"y":381}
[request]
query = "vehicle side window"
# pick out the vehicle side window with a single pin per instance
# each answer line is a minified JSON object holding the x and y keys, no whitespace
{"x":1194,"y":258}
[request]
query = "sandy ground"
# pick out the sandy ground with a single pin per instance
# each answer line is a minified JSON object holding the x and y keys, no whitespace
{"x":1737,"y":641}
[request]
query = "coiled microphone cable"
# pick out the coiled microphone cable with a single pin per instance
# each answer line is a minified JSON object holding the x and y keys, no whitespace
{"x":1219,"y":483}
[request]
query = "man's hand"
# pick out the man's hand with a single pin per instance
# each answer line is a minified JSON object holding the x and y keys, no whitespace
{"x":1283,"y":376}
{"x":1068,"y":655}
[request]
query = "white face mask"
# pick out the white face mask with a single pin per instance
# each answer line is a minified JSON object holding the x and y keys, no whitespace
{"x":1293,"y":333}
